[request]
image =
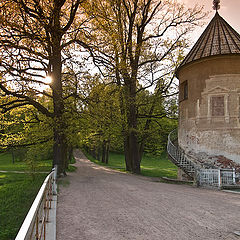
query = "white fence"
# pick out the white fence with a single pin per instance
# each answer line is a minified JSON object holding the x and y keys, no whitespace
{"x":216,"y":177}
{"x":34,"y":225}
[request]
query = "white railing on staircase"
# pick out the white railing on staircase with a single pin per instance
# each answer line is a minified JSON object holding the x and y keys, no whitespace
{"x":34,"y":225}
{"x":178,"y":156}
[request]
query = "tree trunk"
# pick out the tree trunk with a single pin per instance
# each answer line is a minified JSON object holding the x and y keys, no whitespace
{"x":133,"y":146}
{"x":123,"y":108}
{"x":70,"y":154}
{"x":98,"y":152}
{"x":134,"y":153}
{"x":66,"y":159}
{"x":127,"y":154}
{"x":94,"y":152}
{"x":107,"y":151}
{"x":59,"y":148}
{"x":87,"y":148}
{"x":104,"y":151}
{"x":91,"y":151}
{"x":59,"y":152}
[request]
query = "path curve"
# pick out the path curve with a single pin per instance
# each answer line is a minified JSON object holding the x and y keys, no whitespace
{"x":96,"y":203}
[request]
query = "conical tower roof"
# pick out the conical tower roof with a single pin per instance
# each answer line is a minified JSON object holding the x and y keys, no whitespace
{"x":219,"y":38}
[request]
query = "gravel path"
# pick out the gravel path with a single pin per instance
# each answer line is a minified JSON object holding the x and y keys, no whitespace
{"x":96,"y":203}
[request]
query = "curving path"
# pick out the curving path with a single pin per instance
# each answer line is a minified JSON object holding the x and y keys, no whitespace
{"x":96,"y":203}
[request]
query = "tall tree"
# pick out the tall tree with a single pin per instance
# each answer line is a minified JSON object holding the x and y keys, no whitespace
{"x":136,"y":42}
{"x":36,"y":38}
{"x":102,"y":119}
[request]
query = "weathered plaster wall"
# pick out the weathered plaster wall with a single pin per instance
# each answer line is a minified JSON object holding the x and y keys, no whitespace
{"x":211,"y":142}
{"x":199,"y":130}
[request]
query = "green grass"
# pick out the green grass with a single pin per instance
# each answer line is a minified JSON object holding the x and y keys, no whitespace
{"x":152,"y":166}
{"x":7,"y":165}
{"x":158,"y":166}
{"x":17,"y":192}
{"x":73,"y":160}
{"x":71,"y":168}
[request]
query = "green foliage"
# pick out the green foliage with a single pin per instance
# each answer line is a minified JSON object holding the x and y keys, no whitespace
{"x":72,"y":160}
{"x":23,"y":126}
{"x":142,"y":53}
{"x":157,"y":117}
{"x":31,"y":161}
{"x":71,"y":168}
{"x":102,"y":118}
{"x":35,"y":154}
{"x":157,"y":136}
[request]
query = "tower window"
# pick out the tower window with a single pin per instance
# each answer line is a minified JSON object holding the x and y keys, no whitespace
{"x":217,"y":103}
{"x":183,"y":93}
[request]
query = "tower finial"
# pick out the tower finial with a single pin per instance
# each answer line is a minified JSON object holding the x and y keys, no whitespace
{"x":216,"y":4}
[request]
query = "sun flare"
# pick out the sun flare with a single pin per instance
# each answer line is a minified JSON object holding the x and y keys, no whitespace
{"x":48,"y":79}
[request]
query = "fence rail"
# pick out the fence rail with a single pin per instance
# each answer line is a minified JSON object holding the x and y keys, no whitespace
{"x":216,"y":177}
{"x":34,"y":225}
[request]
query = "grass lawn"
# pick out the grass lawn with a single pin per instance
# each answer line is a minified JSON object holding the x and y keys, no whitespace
{"x":17,"y":193}
{"x":152,"y":166}
{"x":158,"y":166}
{"x":7,"y":165}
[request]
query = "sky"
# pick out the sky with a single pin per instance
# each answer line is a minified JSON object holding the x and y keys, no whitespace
{"x":229,"y":10}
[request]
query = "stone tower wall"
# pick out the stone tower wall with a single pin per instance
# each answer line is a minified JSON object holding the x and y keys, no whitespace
{"x":209,"y":118}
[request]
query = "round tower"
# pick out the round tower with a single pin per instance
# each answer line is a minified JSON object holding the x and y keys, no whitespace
{"x":209,"y":94}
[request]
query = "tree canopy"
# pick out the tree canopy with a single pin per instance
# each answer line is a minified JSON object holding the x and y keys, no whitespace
{"x":133,"y":45}
{"x":138,"y":44}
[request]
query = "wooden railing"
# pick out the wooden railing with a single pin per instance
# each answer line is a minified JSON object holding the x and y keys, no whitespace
{"x":34,"y":225}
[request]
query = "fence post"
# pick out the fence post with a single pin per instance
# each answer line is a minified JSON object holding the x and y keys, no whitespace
{"x":234,"y":176}
{"x":219,"y":178}
{"x":55,"y":180}
{"x":196,"y":178}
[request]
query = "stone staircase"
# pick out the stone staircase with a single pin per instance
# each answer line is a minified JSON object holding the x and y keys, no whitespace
{"x":179,"y":158}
